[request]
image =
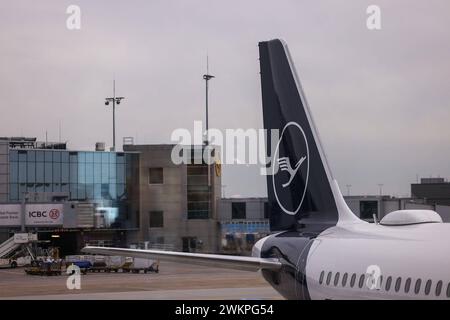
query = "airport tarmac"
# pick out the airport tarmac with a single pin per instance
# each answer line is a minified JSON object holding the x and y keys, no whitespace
{"x":174,"y":282}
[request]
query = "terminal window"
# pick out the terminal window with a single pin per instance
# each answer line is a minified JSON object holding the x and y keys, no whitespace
{"x":156,"y":219}
{"x":198,"y":192}
{"x":238,"y":210}
{"x":266,"y":210}
{"x":156,"y":175}
{"x":367,"y":209}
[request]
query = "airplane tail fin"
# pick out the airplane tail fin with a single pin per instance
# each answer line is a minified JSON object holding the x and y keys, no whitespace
{"x":301,"y":189}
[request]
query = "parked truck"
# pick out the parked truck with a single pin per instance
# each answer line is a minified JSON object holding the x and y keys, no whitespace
{"x":15,"y":262}
{"x":137,"y":265}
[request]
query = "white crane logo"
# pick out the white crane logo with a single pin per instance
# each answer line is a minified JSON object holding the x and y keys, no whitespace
{"x":290,"y":199}
{"x":285,"y":165}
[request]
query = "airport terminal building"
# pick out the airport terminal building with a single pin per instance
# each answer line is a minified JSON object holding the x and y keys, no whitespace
{"x":93,"y":193}
{"x":137,"y":198}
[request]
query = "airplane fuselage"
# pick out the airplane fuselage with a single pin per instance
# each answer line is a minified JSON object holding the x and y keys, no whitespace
{"x":362,"y":261}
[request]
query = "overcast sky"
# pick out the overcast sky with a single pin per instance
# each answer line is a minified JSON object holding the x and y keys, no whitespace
{"x":380,"y":98}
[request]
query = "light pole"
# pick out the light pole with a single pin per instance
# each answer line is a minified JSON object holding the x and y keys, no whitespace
{"x":207,"y":77}
{"x":114,"y":100}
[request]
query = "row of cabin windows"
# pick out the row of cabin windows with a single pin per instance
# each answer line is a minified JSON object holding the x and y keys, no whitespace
{"x":389,"y":283}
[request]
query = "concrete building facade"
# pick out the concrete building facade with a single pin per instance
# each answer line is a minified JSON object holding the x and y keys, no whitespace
{"x":178,"y":202}
{"x":435,"y":191}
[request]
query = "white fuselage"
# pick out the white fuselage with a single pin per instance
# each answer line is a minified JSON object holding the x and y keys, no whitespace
{"x":416,"y":252}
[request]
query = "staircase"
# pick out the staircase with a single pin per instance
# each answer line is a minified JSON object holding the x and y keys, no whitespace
{"x":8,"y":247}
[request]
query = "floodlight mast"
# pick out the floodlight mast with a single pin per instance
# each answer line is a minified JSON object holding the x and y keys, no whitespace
{"x":207,"y":77}
{"x":114,"y":100}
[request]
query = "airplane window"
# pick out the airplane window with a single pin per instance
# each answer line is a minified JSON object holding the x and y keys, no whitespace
{"x":417,"y":288}
{"x":428,"y":287}
{"x":361,"y":281}
{"x":344,"y":279}
{"x":407,"y":285}
{"x":388,"y":283}
{"x":322,"y":274}
{"x":328,"y":278}
{"x":336,"y":279}
{"x":353,"y":279}
{"x":448,"y":291}
{"x":438,"y":288}
{"x":398,"y":283}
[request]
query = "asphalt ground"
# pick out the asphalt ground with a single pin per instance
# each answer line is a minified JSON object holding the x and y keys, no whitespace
{"x":174,"y":282}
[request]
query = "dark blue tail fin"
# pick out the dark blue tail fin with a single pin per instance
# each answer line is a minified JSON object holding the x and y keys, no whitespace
{"x":301,"y":189}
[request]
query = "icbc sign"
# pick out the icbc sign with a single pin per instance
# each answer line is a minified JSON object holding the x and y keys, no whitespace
{"x":54,"y":214}
{"x":42,"y":214}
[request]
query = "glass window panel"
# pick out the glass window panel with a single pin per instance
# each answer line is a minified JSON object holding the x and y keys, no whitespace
{"x":64,"y":172}
{"x":40,"y":172}
{"x":120,"y":158}
{"x":14,"y":172}
{"x":56,"y":172}
{"x":56,"y":187}
{"x":81,"y":157}
{"x":56,"y":156}
{"x":40,"y":156}
{"x":64,"y":156}
{"x":13,"y":155}
{"x":31,"y":172}
{"x":31,"y":156}
{"x":129,"y":158}
{"x":48,"y":187}
{"x":81,"y":172}
{"x":14,"y":192}
{"x":89,"y":157}
{"x":22,"y":190}
{"x":97,"y":191}
{"x":156,"y":219}
{"x":112,"y":173}
{"x":22,"y":172}
{"x":89,"y":173}
{"x":238,"y":210}
{"x":105,"y":157}
{"x":73,"y":157}
{"x":90,"y":191}
{"x":112,"y":157}
{"x":105,"y":191}
{"x":156,"y":176}
{"x":48,"y":156}
{"x":48,"y":172}
{"x":97,"y":157}
{"x":105,"y":173}
{"x":113,"y":191}
{"x":120,"y":190}
{"x":120,"y":173}
{"x":73,"y":172}
{"x":39,"y":187}
{"x":97,"y":173}
{"x":65,"y":187}
{"x":30,"y":187}
{"x":73,"y":191}
{"x":81,"y":191}
{"x":22,"y":156}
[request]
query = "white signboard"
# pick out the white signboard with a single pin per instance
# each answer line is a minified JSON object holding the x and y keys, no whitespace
{"x":43,"y":214}
{"x":10,"y":215}
{"x":21,"y":238}
{"x":35,"y":214}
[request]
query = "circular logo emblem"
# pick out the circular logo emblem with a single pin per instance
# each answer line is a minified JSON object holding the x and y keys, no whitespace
{"x":54,"y":214}
{"x":292,"y":168}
